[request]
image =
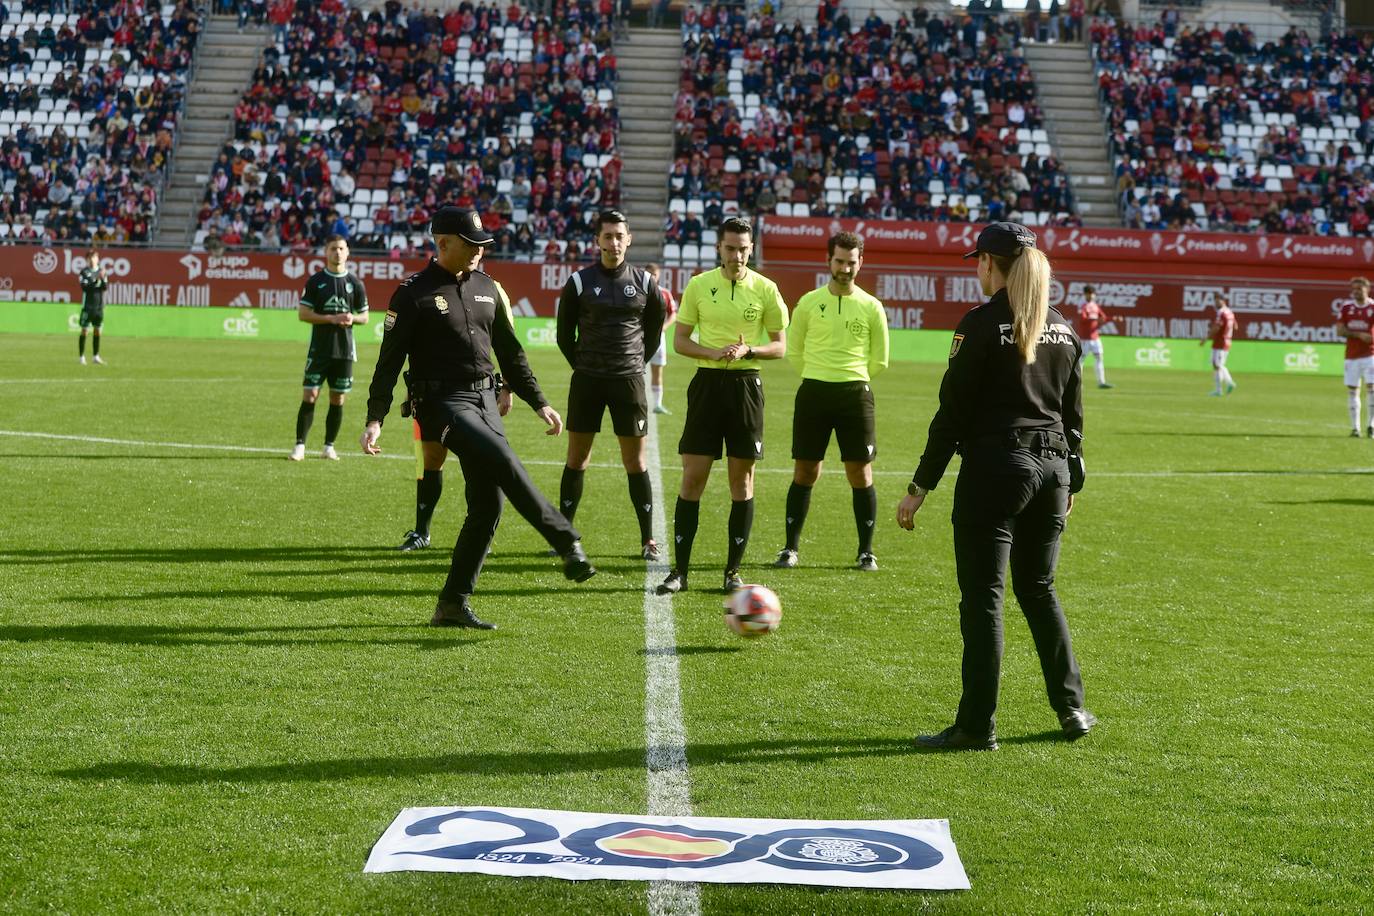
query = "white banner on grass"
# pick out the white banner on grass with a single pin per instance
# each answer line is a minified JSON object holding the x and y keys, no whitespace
{"x":523,"y":842}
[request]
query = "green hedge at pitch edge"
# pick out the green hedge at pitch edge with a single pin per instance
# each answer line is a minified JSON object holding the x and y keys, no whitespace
{"x":925,"y":346}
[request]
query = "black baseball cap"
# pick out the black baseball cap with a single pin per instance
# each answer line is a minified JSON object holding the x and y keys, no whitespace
{"x":1006,"y":240}
{"x":466,"y":224}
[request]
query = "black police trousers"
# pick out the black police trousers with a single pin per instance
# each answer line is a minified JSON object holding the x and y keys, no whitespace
{"x":472,"y":430}
{"x":1010,"y":504}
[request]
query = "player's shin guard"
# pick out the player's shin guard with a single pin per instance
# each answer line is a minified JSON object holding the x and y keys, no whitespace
{"x":642,"y":495}
{"x":1354,"y":404}
{"x":304,"y":417}
{"x":1101,"y":371}
{"x":685,"y":518}
{"x":333,"y":419}
{"x":81,"y":344}
{"x":570,"y":491}
{"x":865,"y":515}
{"x":741,"y":523}
{"x":428,"y":489}
{"x":1369,"y":403}
{"x":95,"y":344}
{"x":798,"y":504}
{"x":657,"y":392}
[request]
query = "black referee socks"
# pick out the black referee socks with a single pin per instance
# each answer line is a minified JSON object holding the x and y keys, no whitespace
{"x":570,"y":491}
{"x":685,"y":518}
{"x":304,"y":417}
{"x":866,"y":516}
{"x":428,"y":489}
{"x":333,"y":419}
{"x":798,"y":504}
{"x":642,"y":495}
{"x":741,"y":523}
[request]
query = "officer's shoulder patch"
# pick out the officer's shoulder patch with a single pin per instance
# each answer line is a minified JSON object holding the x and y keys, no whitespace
{"x":390,"y":320}
{"x":955,"y":344}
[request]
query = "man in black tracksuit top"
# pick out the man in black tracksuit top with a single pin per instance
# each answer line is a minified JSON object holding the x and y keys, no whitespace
{"x":610,"y":318}
{"x":448,"y":319}
{"x":1013,"y":408}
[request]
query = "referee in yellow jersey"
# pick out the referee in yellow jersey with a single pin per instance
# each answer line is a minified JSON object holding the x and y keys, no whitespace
{"x":730,"y":309}
{"x":838,"y":342}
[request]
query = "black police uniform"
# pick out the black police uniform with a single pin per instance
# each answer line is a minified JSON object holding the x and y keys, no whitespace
{"x":448,"y":325}
{"x":609,"y":324}
{"x":93,"y":287}
{"x":1014,"y":425}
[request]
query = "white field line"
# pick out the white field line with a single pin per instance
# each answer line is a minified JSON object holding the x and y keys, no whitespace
{"x":654,"y":472}
{"x":665,"y":736}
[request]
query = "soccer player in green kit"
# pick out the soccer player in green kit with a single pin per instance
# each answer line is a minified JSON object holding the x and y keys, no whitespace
{"x":838,"y":341}
{"x":94,"y":280}
{"x":731,"y":309}
{"x":333,"y":302}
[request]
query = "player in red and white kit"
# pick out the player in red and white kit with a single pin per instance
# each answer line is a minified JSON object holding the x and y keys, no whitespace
{"x":660,"y":357}
{"x":1091,"y":318}
{"x":1356,"y":325}
{"x":1219,"y":332}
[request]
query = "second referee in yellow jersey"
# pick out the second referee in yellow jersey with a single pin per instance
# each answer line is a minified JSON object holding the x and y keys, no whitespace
{"x":838,"y":342}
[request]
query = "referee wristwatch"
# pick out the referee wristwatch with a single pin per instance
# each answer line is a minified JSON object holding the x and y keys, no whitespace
{"x":749,"y":353}
{"x":915,"y":489}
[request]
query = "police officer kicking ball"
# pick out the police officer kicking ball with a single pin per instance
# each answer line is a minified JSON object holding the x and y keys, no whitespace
{"x":610,"y":318}
{"x":1011,"y":403}
{"x":448,"y":319}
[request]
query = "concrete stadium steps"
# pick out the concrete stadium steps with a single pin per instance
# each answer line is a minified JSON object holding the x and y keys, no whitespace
{"x":649,"y":64}
{"x":225,"y":61}
{"x":1067,"y":91}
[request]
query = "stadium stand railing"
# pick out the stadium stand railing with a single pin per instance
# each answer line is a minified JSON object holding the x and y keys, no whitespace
{"x":362,"y":122}
{"x":89,"y":113}
{"x":1211,"y":130}
{"x":925,"y":119}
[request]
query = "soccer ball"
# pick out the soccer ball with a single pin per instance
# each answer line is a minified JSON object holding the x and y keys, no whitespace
{"x":753,"y":611}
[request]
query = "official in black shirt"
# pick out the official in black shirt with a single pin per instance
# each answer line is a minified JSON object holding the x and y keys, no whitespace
{"x":610,"y":318}
{"x":1011,"y":404}
{"x":448,"y":319}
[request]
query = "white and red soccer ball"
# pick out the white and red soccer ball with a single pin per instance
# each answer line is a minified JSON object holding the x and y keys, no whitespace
{"x":753,"y":611}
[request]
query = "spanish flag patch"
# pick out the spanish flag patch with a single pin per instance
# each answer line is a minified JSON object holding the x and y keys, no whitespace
{"x":955,"y":344}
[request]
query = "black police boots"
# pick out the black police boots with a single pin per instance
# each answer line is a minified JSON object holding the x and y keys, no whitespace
{"x":955,"y":738}
{"x":457,"y":614}
{"x":1076,"y":723}
{"x":576,"y":566}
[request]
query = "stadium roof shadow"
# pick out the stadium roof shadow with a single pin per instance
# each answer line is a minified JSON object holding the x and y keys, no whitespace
{"x":172,"y":636}
{"x":484,"y":763}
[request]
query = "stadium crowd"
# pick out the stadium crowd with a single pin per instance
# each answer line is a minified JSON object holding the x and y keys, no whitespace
{"x":363,"y":122}
{"x":88,"y":114}
{"x":926,"y":118}
{"x":1212,"y":130}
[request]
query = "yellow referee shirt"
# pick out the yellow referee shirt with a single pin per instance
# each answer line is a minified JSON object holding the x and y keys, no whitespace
{"x":722,"y":310}
{"x":838,"y":338}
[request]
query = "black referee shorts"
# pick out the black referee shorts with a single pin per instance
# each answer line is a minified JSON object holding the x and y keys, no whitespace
{"x":590,"y":396}
{"x":844,"y":408}
{"x":724,"y":405}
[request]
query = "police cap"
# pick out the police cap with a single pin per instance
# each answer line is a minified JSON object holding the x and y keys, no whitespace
{"x":466,"y":224}
{"x":1005,"y":240}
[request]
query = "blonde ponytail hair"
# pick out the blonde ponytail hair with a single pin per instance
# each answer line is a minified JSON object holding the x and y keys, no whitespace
{"x":1028,"y":292}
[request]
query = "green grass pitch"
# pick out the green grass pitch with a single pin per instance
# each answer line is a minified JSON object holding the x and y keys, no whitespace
{"x":217,"y":687}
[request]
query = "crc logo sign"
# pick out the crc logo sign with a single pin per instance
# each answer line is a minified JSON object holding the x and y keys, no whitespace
{"x":544,"y":335}
{"x":1305,"y":360}
{"x":74,"y":264}
{"x":1155,"y":356}
{"x":243,"y":325}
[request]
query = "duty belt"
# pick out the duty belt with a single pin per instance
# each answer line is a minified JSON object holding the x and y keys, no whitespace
{"x":1045,"y":441}
{"x":441,"y":386}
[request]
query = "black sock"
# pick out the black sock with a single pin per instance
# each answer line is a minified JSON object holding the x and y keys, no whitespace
{"x":95,"y":344}
{"x":866,"y":515}
{"x":570,"y":491}
{"x":798,"y":504}
{"x":684,"y":532}
{"x":642,"y":495}
{"x":741,"y":523}
{"x":81,"y":345}
{"x":428,"y":489}
{"x":304,"y":417}
{"x":333,"y":419}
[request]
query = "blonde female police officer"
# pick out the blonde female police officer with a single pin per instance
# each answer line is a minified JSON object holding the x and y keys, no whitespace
{"x":1011,"y":405}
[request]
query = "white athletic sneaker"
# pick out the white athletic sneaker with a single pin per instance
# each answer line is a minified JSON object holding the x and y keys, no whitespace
{"x":81,"y":360}
{"x":297,"y":453}
{"x":97,"y":360}
{"x":329,"y":454}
